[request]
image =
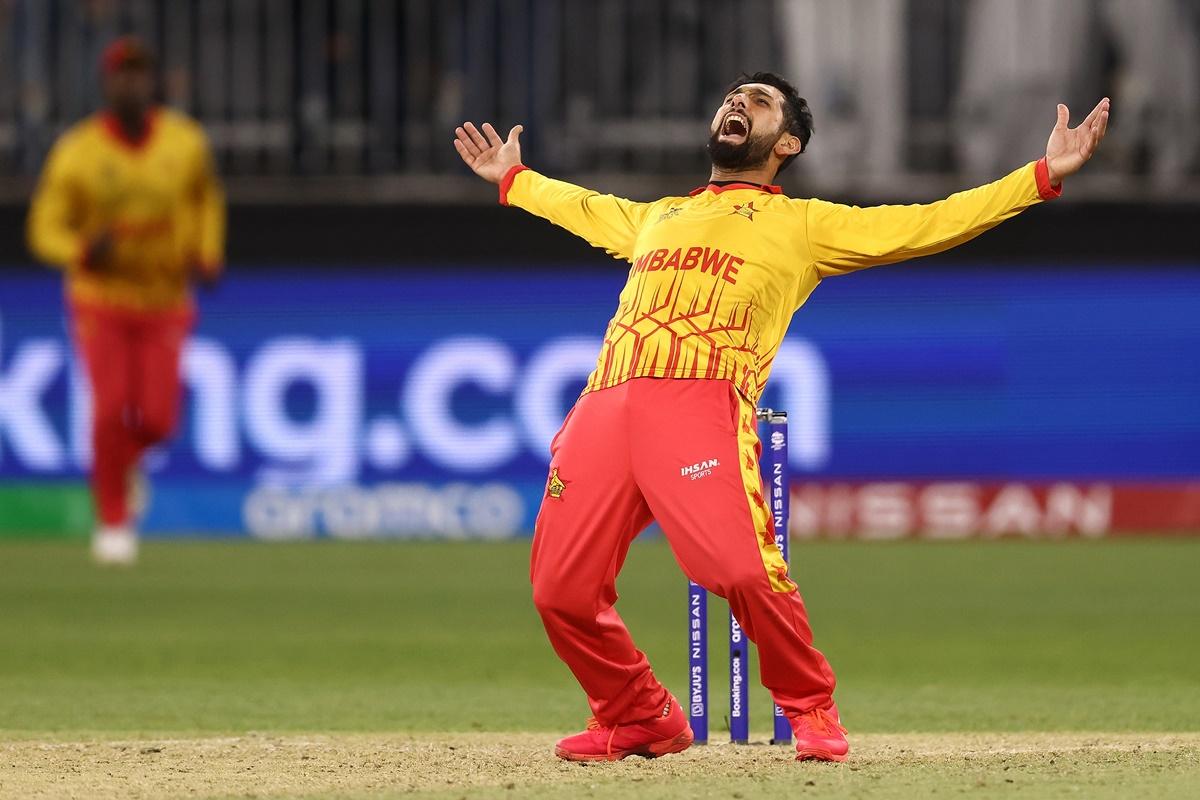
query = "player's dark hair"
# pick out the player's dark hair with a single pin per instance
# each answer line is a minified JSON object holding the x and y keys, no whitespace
{"x":797,"y":117}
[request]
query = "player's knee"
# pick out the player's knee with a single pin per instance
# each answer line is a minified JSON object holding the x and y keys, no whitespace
{"x":156,"y":427}
{"x":108,"y":417}
{"x":740,"y":581}
{"x":547,"y":598}
{"x":554,"y":598}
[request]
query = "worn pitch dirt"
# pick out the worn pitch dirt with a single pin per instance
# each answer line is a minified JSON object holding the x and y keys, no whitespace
{"x":511,"y":765}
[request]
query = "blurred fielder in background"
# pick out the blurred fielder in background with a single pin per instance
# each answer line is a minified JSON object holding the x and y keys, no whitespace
{"x":665,"y":428}
{"x":129,"y":207}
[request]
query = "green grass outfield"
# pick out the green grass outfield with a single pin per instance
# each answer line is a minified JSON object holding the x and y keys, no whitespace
{"x":429,"y":639}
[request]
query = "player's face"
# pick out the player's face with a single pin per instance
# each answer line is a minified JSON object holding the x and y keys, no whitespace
{"x":746,"y":127}
{"x":129,"y":90}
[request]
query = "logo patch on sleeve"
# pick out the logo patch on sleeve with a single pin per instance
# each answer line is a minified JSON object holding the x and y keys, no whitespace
{"x":555,"y":485}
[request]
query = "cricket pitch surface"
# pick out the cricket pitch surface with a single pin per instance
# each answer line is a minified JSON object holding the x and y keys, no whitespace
{"x":521,"y":765}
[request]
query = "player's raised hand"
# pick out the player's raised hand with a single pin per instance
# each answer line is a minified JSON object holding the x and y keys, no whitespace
{"x":485,"y":152}
{"x":1070,"y":148}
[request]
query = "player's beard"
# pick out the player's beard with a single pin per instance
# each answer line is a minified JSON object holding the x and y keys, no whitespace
{"x":752,"y":153}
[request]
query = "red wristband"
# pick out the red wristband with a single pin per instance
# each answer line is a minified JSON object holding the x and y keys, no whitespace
{"x":507,"y":183}
{"x":1041,"y":173}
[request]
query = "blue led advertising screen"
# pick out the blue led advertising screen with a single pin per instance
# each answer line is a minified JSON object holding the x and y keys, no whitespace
{"x":343,"y":402}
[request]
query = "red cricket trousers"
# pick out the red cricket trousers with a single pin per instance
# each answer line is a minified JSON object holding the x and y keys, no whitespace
{"x":683,"y":452}
{"x":132,"y":360}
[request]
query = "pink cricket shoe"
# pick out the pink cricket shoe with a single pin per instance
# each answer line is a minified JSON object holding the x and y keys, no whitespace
{"x":820,"y":735}
{"x":668,"y":732}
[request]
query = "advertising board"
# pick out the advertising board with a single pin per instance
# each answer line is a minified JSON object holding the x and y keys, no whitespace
{"x":354,"y":403}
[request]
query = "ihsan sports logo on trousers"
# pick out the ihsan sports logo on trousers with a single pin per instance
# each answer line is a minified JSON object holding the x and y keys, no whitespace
{"x":699,"y":470}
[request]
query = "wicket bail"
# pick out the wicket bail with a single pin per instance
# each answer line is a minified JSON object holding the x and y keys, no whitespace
{"x":776,"y":481}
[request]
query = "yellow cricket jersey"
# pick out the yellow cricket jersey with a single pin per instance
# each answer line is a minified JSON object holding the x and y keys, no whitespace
{"x":159,"y":197}
{"x":716,"y":276}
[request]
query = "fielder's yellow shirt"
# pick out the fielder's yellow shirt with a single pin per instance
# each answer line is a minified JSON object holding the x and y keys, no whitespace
{"x":716,"y":276}
{"x":159,"y":197}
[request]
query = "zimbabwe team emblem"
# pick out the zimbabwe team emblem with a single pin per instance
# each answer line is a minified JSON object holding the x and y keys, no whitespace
{"x":555,"y":486}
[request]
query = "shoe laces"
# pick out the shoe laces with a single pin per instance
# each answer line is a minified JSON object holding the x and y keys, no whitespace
{"x":594,"y":724}
{"x":820,"y":721}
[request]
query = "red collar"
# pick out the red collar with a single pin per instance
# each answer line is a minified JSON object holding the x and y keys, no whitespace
{"x":113,"y":127}
{"x":728,"y":187}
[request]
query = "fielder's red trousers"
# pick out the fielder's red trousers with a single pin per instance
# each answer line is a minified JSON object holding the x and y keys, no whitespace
{"x":132,"y":361}
{"x":684,"y":453}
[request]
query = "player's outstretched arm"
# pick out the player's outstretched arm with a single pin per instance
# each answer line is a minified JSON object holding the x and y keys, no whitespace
{"x":603,"y":220}
{"x":843,"y":239}
{"x":488,"y":156}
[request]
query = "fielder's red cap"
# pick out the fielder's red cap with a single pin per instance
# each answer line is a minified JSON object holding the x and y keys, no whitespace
{"x":127,"y":51}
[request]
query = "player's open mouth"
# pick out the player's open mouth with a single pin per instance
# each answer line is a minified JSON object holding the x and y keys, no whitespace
{"x":735,"y":127}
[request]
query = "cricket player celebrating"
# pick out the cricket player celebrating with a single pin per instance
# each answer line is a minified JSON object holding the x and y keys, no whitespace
{"x":129,"y":208}
{"x":665,"y":428}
